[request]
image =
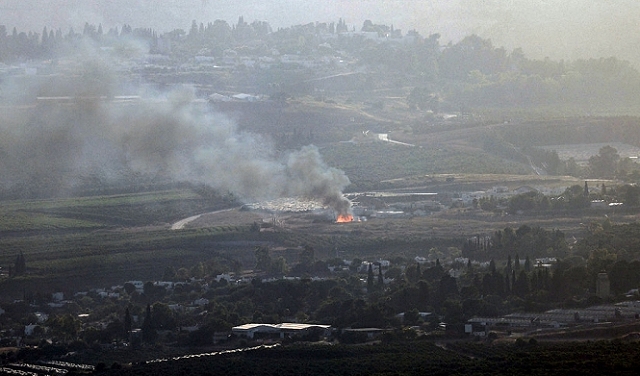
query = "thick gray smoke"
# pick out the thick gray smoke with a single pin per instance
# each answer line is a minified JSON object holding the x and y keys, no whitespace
{"x":54,"y":147}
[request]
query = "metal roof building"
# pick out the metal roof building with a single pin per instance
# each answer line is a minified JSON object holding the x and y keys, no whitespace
{"x":282,"y":330}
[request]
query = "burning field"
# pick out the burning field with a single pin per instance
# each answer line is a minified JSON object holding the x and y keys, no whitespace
{"x":344,"y":218}
{"x":301,"y":206}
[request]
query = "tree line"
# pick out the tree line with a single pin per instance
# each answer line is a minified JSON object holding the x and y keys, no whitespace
{"x":471,"y":72}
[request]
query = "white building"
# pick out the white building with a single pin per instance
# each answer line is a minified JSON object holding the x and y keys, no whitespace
{"x":225,"y":276}
{"x":139,"y":285}
{"x":28,"y":329}
{"x":57,"y":296}
{"x":283,"y":330}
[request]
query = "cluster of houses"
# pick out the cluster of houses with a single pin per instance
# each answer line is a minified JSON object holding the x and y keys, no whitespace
{"x":418,"y":204}
{"x":57,"y":302}
{"x":477,"y":326}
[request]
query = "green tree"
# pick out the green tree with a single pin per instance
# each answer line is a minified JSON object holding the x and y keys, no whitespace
{"x":193,"y":31}
{"x":521,"y":287}
{"x":65,"y":326}
{"x":307,"y":257}
{"x":129,"y":288}
{"x":127,"y":323}
{"x":411,"y":317}
{"x":605,"y":164}
{"x":448,"y":287}
{"x":20,"y":266}
{"x":630,"y":194}
{"x":600,"y":260}
{"x":162,"y":317}
{"x":572,"y":168}
{"x":412,"y":273}
{"x":572,"y":198}
{"x":492,"y":266}
{"x":422,"y":98}
{"x":279,"y":266}
{"x":149,"y":333}
{"x":169,"y":273}
{"x":263,"y":259}
{"x":198,"y":270}
{"x":624,"y":276}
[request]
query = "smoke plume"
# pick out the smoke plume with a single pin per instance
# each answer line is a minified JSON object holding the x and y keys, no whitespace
{"x":93,"y":138}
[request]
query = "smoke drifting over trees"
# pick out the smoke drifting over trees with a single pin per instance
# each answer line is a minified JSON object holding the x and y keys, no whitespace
{"x":93,"y":140}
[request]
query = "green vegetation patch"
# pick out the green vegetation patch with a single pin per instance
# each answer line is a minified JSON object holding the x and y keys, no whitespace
{"x":371,"y":163}
{"x":101,"y":211}
{"x":24,"y":220}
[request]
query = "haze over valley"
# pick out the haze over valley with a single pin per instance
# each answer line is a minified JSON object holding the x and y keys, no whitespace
{"x":227,"y":187}
{"x":560,"y":30}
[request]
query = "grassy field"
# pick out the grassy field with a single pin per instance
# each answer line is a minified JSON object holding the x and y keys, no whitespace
{"x":102,"y":238}
{"x":97,"y":211}
{"x":371,"y":165}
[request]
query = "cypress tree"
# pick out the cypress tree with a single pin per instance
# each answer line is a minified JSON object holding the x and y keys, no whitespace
{"x":586,"y":189}
{"x":507,"y":287}
{"x":370,"y":278}
{"x":149,"y":333}
{"x":127,"y":323}
{"x":20,"y":266}
{"x":522,"y":284}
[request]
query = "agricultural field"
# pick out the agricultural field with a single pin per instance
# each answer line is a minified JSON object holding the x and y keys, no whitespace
{"x":582,"y":152}
{"x":82,"y":243}
{"x":371,"y":165}
{"x":105,"y":239}
{"x":98,"y":239}
{"x":409,"y":358}
{"x":98,"y":211}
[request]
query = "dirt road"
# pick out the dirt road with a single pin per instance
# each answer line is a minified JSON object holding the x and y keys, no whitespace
{"x":183,"y":222}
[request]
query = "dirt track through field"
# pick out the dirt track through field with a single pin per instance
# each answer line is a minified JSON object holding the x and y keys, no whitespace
{"x":183,"y":222}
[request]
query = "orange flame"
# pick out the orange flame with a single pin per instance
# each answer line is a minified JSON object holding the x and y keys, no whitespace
{"x":342,"y":218}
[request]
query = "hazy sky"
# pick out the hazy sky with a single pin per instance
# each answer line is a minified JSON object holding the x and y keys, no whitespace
{"x":559,"y":29}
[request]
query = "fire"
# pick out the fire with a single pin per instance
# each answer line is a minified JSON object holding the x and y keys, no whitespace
{"x":344,"y":218}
